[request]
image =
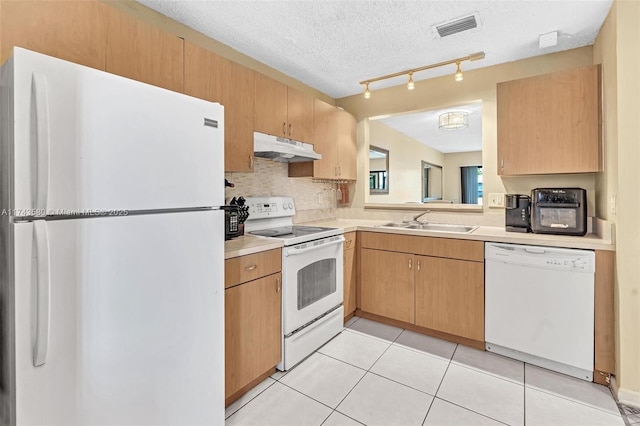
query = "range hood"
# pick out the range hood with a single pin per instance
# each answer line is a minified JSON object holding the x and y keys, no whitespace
{"x":282,"y":149}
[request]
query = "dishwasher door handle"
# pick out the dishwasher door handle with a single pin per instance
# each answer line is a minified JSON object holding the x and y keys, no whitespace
{"x":534,"y":250}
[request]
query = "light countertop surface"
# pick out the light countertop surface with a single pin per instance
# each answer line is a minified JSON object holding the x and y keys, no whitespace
{"x":482,"y":233}
{"x":247,"y":244}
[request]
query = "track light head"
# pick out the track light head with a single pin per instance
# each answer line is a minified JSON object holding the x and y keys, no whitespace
{"x":367,"y":93}
{"x":459,"y":76}
{"x":410,"y":84}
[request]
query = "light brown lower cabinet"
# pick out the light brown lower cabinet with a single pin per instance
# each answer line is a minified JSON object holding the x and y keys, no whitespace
{"x":252,"y":331}
{"x":450,"y":296}
{"x":350,"y":275}
{"x":435,"y":292}
{"x":387,"y":286}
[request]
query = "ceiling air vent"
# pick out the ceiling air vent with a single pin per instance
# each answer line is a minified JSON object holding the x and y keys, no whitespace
{"x":457,"y":26}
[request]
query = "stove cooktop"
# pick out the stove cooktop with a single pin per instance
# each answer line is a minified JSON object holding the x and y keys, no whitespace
{"x":297,"y":234}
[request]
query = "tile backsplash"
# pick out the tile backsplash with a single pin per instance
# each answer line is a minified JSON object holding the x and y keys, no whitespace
{"x":313,"y":201}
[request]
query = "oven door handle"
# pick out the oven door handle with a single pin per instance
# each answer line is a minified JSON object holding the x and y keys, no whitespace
{"x":295,"y":250}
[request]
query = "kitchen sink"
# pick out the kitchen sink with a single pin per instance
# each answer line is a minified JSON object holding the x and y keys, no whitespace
{"x":437,"y":227}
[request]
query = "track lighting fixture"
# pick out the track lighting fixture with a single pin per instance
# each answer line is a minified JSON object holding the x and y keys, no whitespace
{"x":459,"y":76}
{"x":411,"y":84}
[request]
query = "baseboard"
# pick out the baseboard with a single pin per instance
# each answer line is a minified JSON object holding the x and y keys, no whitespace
{"x":628,"y":397}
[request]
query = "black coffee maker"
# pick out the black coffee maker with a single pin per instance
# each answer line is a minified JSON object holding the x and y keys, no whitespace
{"x":517,"y":213}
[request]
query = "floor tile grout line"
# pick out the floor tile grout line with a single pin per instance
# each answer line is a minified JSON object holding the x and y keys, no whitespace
{"x":247,"y":403}
{"x":571,"y":400}
{"x":364,"y":375}
{"x":487,"y":373}
{"x":357,"y":421}
{"x":400,"y":383}
{"x":419,"y":351}
{"x":469,"y":409}
{"x":310,"y":397}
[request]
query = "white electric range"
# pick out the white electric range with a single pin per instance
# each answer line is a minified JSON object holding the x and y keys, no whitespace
{"x":312,"y":276}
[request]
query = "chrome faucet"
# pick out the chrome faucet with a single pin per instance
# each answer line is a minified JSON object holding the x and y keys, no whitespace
{"x":415,"y":218}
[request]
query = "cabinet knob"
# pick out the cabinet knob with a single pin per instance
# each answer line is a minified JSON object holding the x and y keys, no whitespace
{"x":290,"y":129}
{"x":284,"y":128}
{"x":418,"y":266}
{"x":502,"y":165}
{"x":250,"y":267}
{"x":278,"y":286}
{"x":410,"y":263}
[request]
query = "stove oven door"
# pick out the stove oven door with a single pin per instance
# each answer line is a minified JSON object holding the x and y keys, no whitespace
{"x":312,"y":281}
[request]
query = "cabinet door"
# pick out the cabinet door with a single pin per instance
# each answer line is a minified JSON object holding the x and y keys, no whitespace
{"x":324,"y":140}
{"x":71,"y":30}
{"x":299,"y":115}
{"x":270,"y":111}
{"x":550,"y":123}
{"x":450,"y":296}
{"x":216,"y":79}
{"x":252,"y":331}
{"x":387,"y":284}
{"x":143,"y":52}
{"x":349,"y":277}
{"x":347,"y":145}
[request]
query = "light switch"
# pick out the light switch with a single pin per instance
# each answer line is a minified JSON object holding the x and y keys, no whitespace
{"x":496,"y":200}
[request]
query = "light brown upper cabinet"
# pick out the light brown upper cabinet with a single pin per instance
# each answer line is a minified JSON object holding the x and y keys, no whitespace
{"x":347,"y":145}
{"x":334,"y":136}
{"x":550,"y":123}
{"x":71,"y":30}
{"x":282,"y":111}
{"x":143,"y":52}
{"x":217,"y":79}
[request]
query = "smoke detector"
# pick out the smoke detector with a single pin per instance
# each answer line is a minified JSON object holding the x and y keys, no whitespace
{"x":457,"y":25}
{"x":548,"y":39}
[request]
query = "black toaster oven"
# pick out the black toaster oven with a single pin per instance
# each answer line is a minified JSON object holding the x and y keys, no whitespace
{"x":559,"y":211}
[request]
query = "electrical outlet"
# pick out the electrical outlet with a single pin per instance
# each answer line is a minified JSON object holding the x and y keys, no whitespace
{"x":496,"y":200}
{"x":613,"y":203}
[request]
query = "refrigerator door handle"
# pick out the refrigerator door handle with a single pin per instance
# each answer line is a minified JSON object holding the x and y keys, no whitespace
{"x":43,"y":294}
{"x":40,"y":120}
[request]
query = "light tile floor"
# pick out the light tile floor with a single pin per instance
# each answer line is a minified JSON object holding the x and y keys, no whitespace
{"x":376,"y":374}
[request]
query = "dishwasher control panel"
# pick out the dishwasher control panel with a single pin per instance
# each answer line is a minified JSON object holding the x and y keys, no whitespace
{"x":542,"y":257}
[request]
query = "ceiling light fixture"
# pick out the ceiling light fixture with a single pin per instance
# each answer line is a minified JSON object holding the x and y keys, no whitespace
{"x":459,"y":76}
{"x":410,"y":72}
{"x":367,"y":93}
{"x":453,"y":120}
{"x":411,"y":85}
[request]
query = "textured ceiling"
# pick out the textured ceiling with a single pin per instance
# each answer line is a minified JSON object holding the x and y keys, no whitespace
{"x":423,"y":126}
{"x":332,"y":45}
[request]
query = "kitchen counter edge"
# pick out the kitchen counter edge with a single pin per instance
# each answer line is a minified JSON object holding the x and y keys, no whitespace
{"x":246,"y":244}
{"x":482,"y":233}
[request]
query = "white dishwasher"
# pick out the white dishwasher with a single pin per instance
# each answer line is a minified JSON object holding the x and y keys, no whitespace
{"x":539,"y":306}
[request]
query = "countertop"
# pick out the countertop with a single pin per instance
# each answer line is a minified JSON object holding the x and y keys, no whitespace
{"x":247,"y":244}
{"x":483,"y":233}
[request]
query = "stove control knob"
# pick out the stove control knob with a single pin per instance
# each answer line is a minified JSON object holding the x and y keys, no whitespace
{"x":284,"y":206}
{"x":291,"y":206}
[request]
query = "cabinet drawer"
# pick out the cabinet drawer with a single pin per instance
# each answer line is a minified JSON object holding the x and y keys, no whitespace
{"x":247,"y":268}
{"x":428,"y":246}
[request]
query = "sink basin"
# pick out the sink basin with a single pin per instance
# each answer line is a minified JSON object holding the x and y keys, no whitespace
{"x":437,"y":227}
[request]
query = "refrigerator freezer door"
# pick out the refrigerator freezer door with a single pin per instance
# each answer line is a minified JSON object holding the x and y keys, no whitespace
{"x":88,"y":140}
{"x":135,"y":327}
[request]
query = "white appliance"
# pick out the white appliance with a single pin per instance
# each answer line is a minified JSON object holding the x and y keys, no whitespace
{"x":312,"y":276}
{"x":539,"y":306}
{"x":111,"y":281}
{"x":282,"y":149}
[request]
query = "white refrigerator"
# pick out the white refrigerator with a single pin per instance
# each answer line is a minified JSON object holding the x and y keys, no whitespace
{"x":112,"y":249}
